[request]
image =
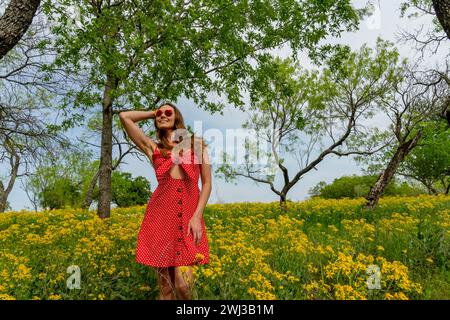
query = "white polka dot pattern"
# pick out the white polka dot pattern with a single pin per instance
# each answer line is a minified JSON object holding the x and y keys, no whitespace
{"x":162,"y":239}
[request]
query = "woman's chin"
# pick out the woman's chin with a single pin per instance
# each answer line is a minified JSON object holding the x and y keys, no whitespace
{"x":164,"y":126}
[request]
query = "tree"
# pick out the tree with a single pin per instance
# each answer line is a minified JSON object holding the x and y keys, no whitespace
{"x":22,"y":146}
{"x":26,"y":91}
{"x":14,"y":161}
{"x":439,"y":10}
{"x":408,"y":109}
{"x":442,"y":9}
{"x":436,"y":36}
{"x":14,"y":23}
{"x":62,"y":193}
{"x":127,"y":192}
{"x":137,"y":52}
{"x":94,"y":125}
{"x":429,"y":162}
{"x":358,"y":186}
{"x":65,"y":181}
{"x":292,"y":107}
{"x":61,"y":181}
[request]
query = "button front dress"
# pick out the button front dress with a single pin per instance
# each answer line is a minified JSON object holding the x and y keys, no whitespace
{"x":162,"y":239}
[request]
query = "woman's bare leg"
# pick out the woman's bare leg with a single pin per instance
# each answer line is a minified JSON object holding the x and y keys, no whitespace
{"x":166,"y":279}
{"x":184,"y":281}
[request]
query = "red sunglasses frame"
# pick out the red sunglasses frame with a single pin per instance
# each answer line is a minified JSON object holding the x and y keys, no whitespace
{"x":167,"y":112}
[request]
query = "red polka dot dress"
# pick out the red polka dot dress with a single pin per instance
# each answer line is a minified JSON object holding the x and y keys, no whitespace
{"x":162,"y":239}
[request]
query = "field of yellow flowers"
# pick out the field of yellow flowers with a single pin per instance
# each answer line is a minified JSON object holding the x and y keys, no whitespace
{"x":317,"y":249}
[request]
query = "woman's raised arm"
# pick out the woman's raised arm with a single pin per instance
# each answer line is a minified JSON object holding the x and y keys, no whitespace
{"x":142,"y":141}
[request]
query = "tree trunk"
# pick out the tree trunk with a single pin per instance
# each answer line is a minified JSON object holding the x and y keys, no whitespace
{"x":432,"y":189}
{"x":386,"y":176}
{"x":283,"y":205}
{"x":445,"y":185}
{"x":15,"y":22}
{"x":104,"y":201}
{"x":88,"y":200}
{"x":14,"y":161}
{"x":3,"y":199}
{"x":442,"y":9}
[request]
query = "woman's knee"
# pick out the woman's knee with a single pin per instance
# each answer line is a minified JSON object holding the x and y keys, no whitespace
{"x":165,"y":276}
{"x":183,"y":278}
{"x":165,"y":282}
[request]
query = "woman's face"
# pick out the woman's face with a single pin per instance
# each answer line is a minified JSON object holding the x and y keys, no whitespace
{"x":164,"y":121}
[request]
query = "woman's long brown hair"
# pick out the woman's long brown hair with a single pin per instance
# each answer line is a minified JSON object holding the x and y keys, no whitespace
{"x":163,"y":138}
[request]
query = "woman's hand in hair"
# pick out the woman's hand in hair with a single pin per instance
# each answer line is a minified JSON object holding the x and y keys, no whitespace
{"x":135,"y":133}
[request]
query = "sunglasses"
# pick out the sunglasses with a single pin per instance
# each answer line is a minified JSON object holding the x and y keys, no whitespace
{"x":168,"y":113}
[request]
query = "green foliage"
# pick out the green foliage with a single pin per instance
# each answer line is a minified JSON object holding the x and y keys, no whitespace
{"x":147,"y":49}
{"x":417,"y":8}
{"x":64,"y":181}
{"x":63,"y":192}
{"x":429,"y":162}
{"x":295,"y":109}
{"x":127,"y":192}
{"x":359,"y":186}
{"x":8,"y":206}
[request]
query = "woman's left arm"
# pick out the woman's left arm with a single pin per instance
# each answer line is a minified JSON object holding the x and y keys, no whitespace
{"x":205,"y":173}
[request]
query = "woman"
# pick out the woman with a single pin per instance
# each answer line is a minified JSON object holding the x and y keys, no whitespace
{"x":172,"y":237}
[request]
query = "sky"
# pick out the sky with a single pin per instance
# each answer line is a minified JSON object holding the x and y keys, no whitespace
{"x":384,"y":23}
